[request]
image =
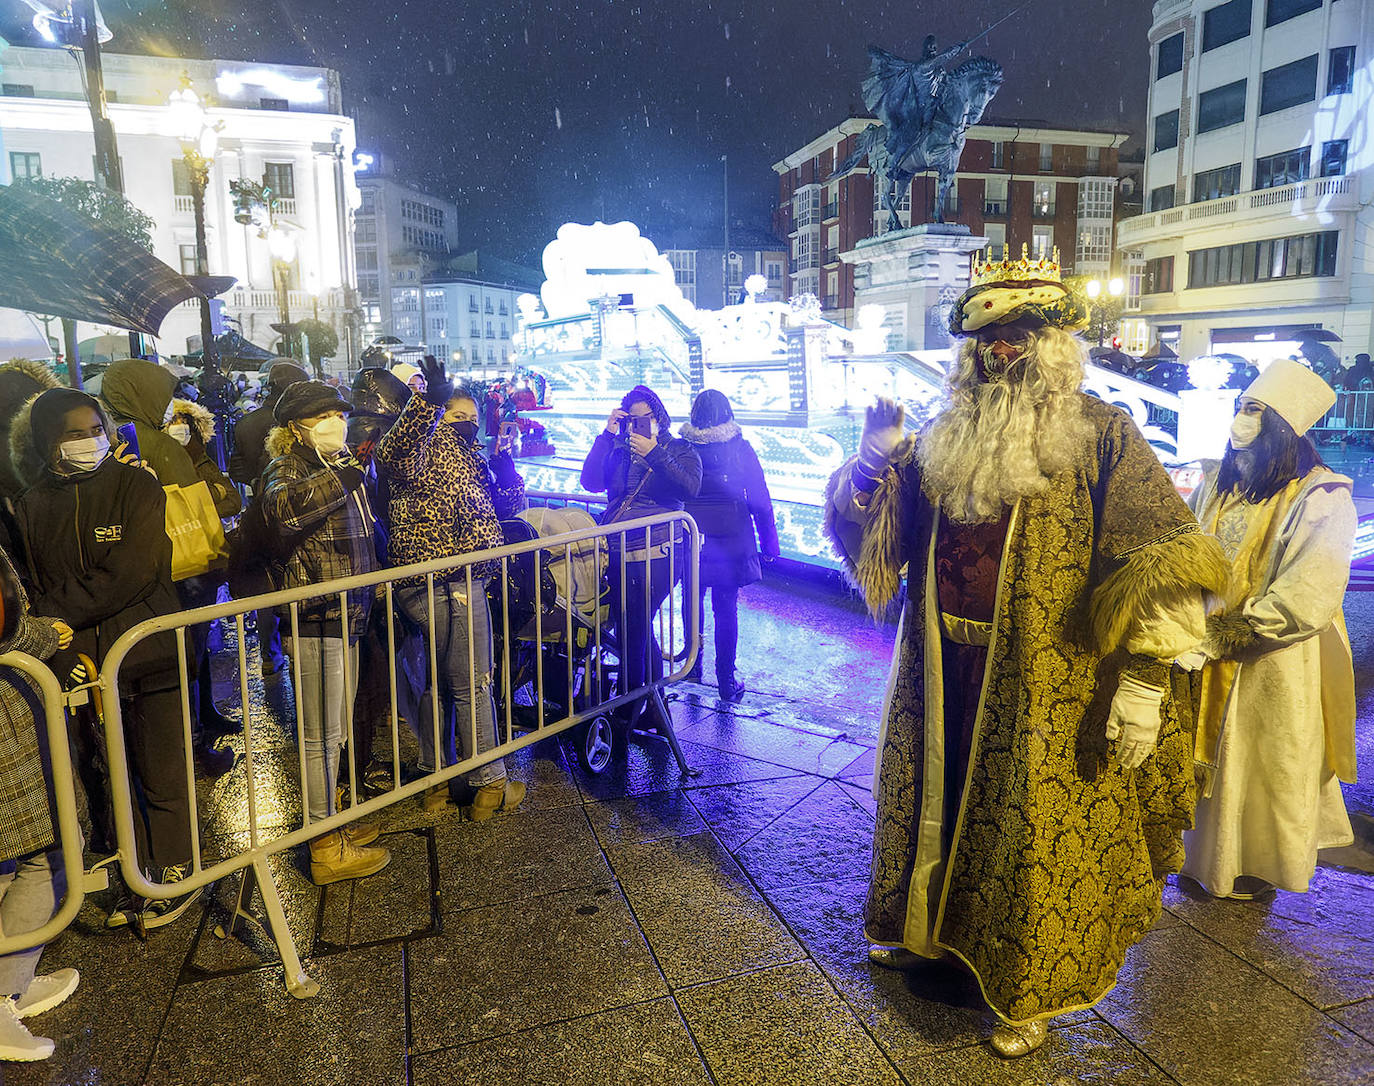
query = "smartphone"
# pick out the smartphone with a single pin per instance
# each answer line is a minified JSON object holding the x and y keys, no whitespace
{"x":509,"y":436}
{"x":642,"y":424}
{"x":129,"y":436}
{"x":625,"y":426}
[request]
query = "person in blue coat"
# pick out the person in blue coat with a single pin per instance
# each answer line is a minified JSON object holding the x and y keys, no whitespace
{"x":731,"y":508}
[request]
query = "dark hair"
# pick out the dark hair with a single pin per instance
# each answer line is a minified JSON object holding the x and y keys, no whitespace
{"x":711,"y":408}
{"x":644,"y":394}
{"x":1281,"y":455}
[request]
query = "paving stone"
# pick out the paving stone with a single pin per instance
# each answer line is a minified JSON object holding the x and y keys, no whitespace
{"x":698,"y":911}
{"x":515,"y":856}
{"x":111,"y":1022}
{"x":826,"y":836}
{"x":771,"y":741}
{"x":911,"y":1013}
{"x":861,"y":768}
{"x":500,"y":969}
{"x":781,"y":1027}
{"x":251,"y":945}
{"x":398,"y":901}
{"x":352,"y":1031}
{"x":649,"y":767}
{"x":276,"y":797}
{"x":1358,"y":1017}
{"x":643,"y":1045}
{"x":1210,"y":1019}
{"x":644,"y":818}
{"x":738,"y":811}
{"x":1319,"y":944}
{"x":1088,"y":1052}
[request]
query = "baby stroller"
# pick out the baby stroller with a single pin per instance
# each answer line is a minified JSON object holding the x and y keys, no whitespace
{"x":561,"y":637}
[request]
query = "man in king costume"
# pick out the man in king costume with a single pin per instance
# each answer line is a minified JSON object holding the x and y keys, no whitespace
{"x":1036,"y":773}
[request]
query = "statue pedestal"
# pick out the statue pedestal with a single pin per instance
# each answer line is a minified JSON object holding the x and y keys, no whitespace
{"x":915,"y":275}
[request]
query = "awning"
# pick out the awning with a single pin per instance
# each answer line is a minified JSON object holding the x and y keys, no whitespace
{"x":58,"y":262}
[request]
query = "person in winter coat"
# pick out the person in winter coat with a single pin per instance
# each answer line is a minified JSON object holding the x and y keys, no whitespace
{"x":1276,"y":726}
{"x":315,"y":508}
{"x":732,"y":504}
{"x":33,"y":880}
{"x":446,"y":500}
{"x":98,"y":552}
{"x":193,"y":428}
{"x":644,"y":470}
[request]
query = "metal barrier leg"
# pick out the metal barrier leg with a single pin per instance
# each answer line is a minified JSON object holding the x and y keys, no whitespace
{"x":660,"y":708}
{"x":298,"y":983}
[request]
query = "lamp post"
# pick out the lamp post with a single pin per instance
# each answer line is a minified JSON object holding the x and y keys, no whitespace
{"x":1114,"y":289}
{"x":199,"y":141}
{"x":282,"y":246}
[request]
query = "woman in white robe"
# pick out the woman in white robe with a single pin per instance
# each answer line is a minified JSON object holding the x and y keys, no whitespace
{"x":1276,"y":729}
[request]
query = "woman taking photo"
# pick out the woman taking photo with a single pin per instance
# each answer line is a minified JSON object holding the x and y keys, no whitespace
{"x":731,"y":506}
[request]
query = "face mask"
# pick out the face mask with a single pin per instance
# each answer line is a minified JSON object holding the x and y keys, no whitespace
{"x":1244,"y":430}
{"x":465,"y":429}
{"x":326,"y":437}
{"x":179,"y":432}
{"x":167,"y":415}
{"x":85,"y":453}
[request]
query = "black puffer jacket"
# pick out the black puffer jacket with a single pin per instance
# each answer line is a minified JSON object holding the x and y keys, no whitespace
{"x":732,"y":504}
{"x":674,"y":475}
{"x":101,"y":561}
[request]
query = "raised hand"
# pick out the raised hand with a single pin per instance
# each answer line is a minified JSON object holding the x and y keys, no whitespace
{"x":438,"y":388}
{"x":884,"y":429}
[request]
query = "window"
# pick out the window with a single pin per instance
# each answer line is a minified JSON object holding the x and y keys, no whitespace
{"x":1340,"y":70}
{"x":996,"y":233}
{"x":1042,"y":203}
{"x":1158,"y":277}
{"x":369,"y":286}
{"x":773,"y":270}
{"x":475,"y":330}
{"x":367,"y":260}
{"x":806,"y":207}
{"x":1162,"y":198}
{"x":995,"y":198}
{"x":1280,"y":11}
{"x":367,"y":202}
{"x":25,"y":164}
{"x":1166,"y":130}
{"x":418,"y":212}
{"x":1169,"y":57}
{"x":1333,"y":158}
{"x":281,"y":105}
{"x":1285,"y":168}
{"x":188,"y":259}
{"x":1302,"y":256}
{"x":17,"y":90}
{"x":1042,"y":241}
{"x":1046,"y":157}
{"x":999,"y":155}
{"x":365,"y":233}
{"x":181,"y":178}
{"x":1221,"y":106}
{"x":1226,"y":23}
{"x":1289,"y":85}
{"x":491,"y":334}
{"x":1214,"y":184}
{"x":1092,"y":158}
{"x":280,"y":177}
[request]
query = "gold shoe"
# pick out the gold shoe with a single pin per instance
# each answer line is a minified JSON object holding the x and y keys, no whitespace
{"x":435,"y":799}
{"x":362,"y":833}
{"x":333,"y":858}
{"x":502,"y":795}
{"x":1013,"y":1042}
{"x":895,"y":957}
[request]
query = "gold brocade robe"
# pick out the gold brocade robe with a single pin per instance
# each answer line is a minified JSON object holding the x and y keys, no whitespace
{"x":1056,"y":858}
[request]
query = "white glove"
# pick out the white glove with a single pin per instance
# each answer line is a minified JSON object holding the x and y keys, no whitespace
{"x":1133,"y":723}
{"x":1192,"y":661}
{"x":884,"y":428}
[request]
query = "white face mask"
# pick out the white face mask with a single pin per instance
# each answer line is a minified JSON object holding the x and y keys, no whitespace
{"x":179,"y":432}
{"x":85,"y":453}
{"x":1244,"y":430}
{"x":327,"y":437}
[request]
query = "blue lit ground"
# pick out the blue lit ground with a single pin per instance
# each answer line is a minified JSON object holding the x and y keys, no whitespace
{"x":632,"y":930}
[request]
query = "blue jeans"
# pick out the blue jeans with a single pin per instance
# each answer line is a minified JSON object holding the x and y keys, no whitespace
{"x":324,"y":704}
{"x":468,"y":715}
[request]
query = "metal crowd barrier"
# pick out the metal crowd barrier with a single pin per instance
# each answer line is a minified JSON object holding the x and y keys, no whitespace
{"x":579,"y":691}
{"x":68,"y":828}
{"x":1353,"y":414}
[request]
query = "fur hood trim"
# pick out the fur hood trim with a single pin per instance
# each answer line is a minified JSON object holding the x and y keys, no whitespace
{"x":201,"y":418}
{"x":711,"y":434}
{"x":876,"y":570}
{"x":38,"y":372}
{"x":27,"y":462}
{"x":1156,"y":577}
{"x":280,"y":441}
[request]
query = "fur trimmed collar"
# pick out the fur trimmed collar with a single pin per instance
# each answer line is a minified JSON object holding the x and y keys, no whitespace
{"x":200,"y":417}
{"x":711,"y":434}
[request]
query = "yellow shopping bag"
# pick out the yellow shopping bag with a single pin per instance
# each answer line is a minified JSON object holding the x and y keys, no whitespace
{"x":196,"y":532}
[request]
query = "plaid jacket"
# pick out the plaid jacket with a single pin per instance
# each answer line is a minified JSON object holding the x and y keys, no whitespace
{"x":323,"y":517}
{"x":26,"y":820}
{"x":445,"y":498}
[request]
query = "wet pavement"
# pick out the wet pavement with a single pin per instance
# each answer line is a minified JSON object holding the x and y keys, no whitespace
{"x":641,"y":927}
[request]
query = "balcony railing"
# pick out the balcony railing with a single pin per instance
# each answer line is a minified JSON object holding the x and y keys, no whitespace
{"x":832,"y":256}
{"x":184,"y":205}
{"x":1042,"y":211}
{"x":832,"y":210}
{"x":994,"y":209}
{"x":830,"y":301}
{"x":1332,"y":193}
{"x":300,"y":302}
{"x":286,"y":206}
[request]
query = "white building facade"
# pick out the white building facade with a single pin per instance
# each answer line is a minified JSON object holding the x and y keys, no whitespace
{"x":1259,"y":176}
{"x":402,"y":234}
{"x":280,"y":124}
{"x":471,"y":323}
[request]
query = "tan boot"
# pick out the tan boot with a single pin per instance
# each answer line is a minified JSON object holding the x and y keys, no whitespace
{"x":362,"y":833}
{"x":435,"y":799}
{"x":502,"y":795}
{"x":333,"y":857}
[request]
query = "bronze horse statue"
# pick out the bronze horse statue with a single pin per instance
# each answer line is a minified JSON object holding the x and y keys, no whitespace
{"x":926,"y":115}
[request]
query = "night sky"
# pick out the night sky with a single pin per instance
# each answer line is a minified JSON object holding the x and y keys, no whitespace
{"x":530,"y":113}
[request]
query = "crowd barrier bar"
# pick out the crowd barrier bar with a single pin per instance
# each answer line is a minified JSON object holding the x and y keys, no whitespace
{"x":68,"y":829}
{"x":253,"y":860}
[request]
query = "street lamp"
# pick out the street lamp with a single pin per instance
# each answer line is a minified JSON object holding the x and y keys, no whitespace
{"x":282,"y":245}
{"x":199,"y":140}
{"x":1094,"y":289}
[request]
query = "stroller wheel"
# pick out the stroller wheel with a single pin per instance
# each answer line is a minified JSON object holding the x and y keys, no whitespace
{"x":596,"y":744}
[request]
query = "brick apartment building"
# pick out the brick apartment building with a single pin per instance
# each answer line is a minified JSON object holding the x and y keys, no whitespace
{"x":1018,"y":183}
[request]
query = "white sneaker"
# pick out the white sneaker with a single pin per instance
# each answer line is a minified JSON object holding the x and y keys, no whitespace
{"x":17,"y":1044}
{"x":45,"y":993}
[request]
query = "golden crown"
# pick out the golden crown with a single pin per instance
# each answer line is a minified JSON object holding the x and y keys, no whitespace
{"x":1007,"y":270}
